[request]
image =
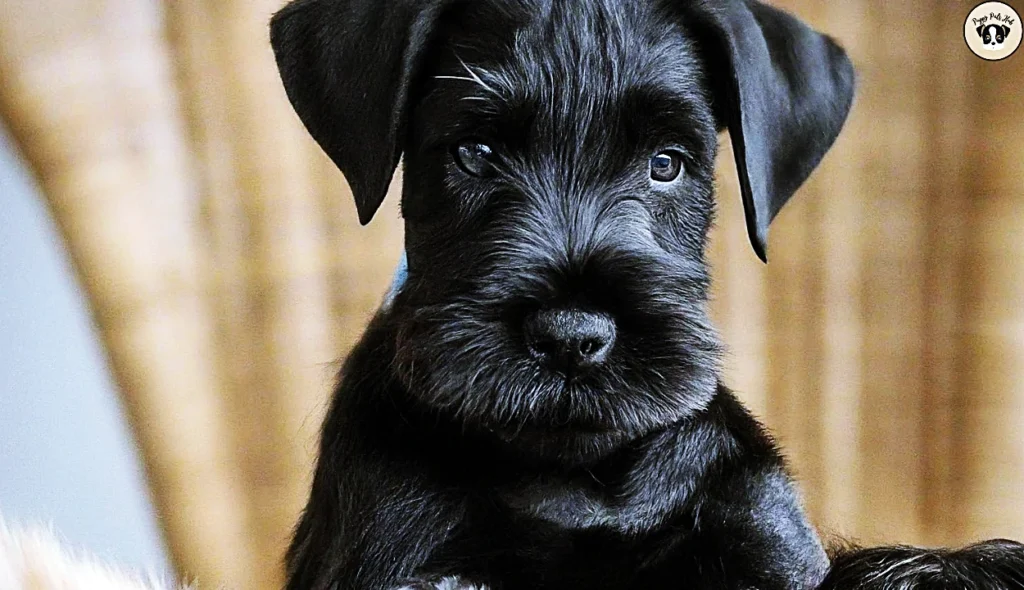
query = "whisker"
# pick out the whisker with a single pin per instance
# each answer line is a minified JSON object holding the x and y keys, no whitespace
{"x":476,"y":77}
{"x":463,"y":78}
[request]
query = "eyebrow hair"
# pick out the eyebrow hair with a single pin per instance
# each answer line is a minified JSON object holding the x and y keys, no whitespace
{"x":665,"y":114}
{"x":473,"y":76}
{"x":493,"y":85}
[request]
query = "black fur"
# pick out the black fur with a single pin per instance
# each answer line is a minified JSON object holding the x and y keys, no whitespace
{"x":993,"y":565}
{"x":449,"y":451}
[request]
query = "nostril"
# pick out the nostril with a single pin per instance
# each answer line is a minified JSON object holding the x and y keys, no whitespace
{"x":589,"y":346}
{"x":545,"y":347}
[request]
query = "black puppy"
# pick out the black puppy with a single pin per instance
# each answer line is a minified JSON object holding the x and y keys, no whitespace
{"x":540,"y":404}
{"x":993,"y":36}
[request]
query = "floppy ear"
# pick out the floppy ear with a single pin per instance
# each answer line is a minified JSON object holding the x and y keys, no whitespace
{"x":784,"y":92}
{"x":1006,"y":31}
{"x":347,"y":66}
{"x":981,"y":30}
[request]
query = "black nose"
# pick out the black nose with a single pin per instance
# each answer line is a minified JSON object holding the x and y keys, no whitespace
{"x":569,"y":340}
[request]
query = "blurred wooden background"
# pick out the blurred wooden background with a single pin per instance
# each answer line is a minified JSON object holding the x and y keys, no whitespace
{"x":227,"y":274}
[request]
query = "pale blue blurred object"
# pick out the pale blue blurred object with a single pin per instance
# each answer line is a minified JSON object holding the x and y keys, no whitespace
{"x":401,"y":273}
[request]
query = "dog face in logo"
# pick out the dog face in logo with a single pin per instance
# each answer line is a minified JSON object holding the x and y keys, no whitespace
{"x":993,"y":36}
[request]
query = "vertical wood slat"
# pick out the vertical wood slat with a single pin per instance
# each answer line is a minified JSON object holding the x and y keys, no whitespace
{"x":990,"y":468}
{"x":795,"y":316}
{"x":792,"y":396}
{"x":840,"y":219}
{"x":893,"y":279}
{"x":284,"y":286}
{"x":948,"y":206}
{"x":199,"y":44}
{"x":196,"y":46}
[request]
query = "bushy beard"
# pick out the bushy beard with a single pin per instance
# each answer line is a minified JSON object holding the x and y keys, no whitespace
{"x":465,"y":358}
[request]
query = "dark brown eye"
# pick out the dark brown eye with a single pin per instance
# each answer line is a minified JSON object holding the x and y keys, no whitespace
{"x":475,"y":158}
{"x":666,"y":166}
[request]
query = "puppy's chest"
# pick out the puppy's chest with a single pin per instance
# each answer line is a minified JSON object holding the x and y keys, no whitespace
{"x":564,"y":533}
{"x":578,"y":504}
{"x":570,"y":504}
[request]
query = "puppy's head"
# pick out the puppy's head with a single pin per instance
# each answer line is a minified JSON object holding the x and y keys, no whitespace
{"x":993,"y":36}
{"x":559,"y":187}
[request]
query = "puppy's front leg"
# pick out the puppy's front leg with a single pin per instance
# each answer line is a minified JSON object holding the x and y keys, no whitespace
{"x":367,"y":545}
{"x":368,"y":528}
{"x":760,"y":536}
{"x":375,"y":514}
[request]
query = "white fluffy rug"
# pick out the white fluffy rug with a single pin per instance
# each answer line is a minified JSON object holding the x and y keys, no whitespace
{"x":36,"y":560}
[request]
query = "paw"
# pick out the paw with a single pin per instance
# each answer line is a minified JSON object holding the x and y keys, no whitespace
{"x":449,"y":583}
